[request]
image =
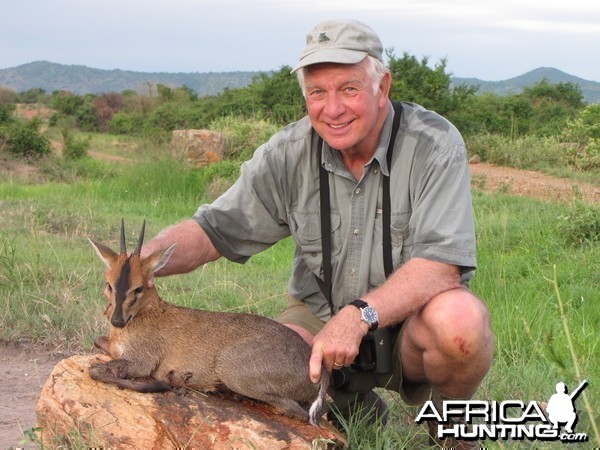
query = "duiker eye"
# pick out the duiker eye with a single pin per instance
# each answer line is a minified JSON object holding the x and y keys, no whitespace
{"x":137,"y":291}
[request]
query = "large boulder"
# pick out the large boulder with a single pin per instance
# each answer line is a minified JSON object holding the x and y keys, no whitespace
{"x":103,"y":415}
{"x":198,"y":147}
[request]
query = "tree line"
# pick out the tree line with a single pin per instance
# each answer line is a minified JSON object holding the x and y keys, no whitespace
{"x":541,"y":110}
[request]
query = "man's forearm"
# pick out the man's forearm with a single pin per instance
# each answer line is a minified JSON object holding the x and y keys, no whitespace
{"x":410,"y":288}
{"x":193,"y":247}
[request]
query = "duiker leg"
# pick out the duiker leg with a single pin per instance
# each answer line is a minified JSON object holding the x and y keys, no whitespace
{"x":116,"y":372}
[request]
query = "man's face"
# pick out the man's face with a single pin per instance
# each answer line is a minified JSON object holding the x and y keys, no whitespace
{"x":343,"y":106}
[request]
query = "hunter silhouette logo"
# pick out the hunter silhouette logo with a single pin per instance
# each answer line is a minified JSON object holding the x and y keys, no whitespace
{"x":561,"y":406}
{"x":508,"y":419}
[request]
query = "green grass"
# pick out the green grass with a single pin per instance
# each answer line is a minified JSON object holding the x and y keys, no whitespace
{"x":51,"y":280}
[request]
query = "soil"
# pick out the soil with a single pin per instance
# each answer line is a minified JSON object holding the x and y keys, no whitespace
{"x":24,"y":368}
{"x":532,"y":184}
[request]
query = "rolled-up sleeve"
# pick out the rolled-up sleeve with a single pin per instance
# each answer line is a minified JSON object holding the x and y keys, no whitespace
{"x":250,"y":216}
{"x":442,"y":224}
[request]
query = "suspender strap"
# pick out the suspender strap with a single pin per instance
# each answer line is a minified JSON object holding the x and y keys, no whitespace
{"x":388,"y":264}
{"x":326,"y":284}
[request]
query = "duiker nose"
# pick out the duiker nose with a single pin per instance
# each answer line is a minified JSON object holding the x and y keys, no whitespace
{"x":117,"y":321}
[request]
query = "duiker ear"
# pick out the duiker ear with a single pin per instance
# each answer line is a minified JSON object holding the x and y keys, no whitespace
{"x":106,"y":254}
{"x":159,"y":258}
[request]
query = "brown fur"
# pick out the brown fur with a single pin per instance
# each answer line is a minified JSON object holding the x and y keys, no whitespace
{"x":157,"y":346}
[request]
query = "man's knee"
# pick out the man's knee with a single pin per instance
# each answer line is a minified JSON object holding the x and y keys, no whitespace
{"x":304,"y":334}
{"x":459,"y":323}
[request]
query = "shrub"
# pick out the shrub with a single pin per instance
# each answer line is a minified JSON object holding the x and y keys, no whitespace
{"x":244,"y":135}
{"x":74,"y":148}
{"x":582,"y":139}
{"x":124,"y":123}
{"x":580,"y":224}
{"x":22,"y":138}
{"x":6,"y":112}
{"x":528,"y":152}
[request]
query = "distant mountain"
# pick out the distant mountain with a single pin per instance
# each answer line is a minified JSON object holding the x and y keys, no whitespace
{"x":589,"y":89}
{"x":84,"y":80}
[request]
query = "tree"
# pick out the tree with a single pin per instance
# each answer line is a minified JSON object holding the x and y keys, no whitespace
{"x":105,"y":107}
{"x":554,"y":105}
{"x":415,"y":81}
{"x":6,"y":112}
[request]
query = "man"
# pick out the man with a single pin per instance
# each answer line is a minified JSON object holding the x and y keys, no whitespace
{"x":439,"y":330}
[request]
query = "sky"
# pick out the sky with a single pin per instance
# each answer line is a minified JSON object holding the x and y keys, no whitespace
{"x":486,"y":39}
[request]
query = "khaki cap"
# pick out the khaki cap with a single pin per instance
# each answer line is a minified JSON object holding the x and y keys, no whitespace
{"x":340,"y":41}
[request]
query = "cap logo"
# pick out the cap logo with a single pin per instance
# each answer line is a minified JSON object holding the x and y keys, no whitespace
{"x":323,"y":37}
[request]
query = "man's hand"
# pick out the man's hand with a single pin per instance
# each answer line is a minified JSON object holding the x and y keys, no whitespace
{"x":337,"y":344}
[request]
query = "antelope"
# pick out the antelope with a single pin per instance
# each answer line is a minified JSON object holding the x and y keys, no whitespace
{"x":157,"y":346}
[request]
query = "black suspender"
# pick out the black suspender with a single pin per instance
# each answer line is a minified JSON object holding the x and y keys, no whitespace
{"x":326,"y":284}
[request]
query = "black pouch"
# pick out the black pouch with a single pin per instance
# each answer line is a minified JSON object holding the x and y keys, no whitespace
{"x":375,"y":351}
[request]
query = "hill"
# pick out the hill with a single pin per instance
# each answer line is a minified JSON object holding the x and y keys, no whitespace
{"x":85,"y":80}
{"x":589,"y":89}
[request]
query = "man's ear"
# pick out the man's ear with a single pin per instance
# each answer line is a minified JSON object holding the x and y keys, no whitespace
{"x":384,"y":88}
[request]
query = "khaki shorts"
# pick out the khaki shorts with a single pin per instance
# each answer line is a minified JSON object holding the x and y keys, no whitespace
{"x":297,"y":313}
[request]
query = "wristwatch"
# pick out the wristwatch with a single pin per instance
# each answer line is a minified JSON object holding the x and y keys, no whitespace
{"x":368,"y":313}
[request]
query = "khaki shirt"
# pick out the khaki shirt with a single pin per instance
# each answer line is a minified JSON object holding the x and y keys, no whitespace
{"x":277,"y":195}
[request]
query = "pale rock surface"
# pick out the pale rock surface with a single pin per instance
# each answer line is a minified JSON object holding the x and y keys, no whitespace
{"x":103,"y":415}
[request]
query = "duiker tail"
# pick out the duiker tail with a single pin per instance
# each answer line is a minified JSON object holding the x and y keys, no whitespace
{"x":316,"y":409}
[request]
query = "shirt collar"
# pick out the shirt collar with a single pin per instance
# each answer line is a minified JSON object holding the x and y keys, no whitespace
{"x":384,"y":141}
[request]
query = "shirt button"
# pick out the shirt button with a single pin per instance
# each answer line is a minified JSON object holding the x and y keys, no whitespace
{"x":356,"y":231}
{"x":375,"y":171}
{"x":358,"y":191}
{"x":352,"y":271}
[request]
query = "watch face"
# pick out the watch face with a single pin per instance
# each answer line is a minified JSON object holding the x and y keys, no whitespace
{"x":369,"y":315}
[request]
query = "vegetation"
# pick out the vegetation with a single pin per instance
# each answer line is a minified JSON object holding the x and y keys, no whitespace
{"x":538,"y":260}
{"x":51,"y":281}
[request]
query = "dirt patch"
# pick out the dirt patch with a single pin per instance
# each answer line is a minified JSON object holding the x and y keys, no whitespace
{"x":23,"y":371}
{"x":531,"y":184}
{"x":30,"y":111}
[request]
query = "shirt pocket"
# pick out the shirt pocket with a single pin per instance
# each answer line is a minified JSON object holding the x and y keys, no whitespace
{"x":398,"y":234}
{"x":305,"y":228}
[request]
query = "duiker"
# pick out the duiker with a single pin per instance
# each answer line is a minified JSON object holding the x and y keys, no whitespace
{"x":249,"y":354}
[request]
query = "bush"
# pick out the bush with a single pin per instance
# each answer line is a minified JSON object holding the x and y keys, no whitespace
{"x":528,"y":152}
{"x":22,"y":138}
{"x":244,"y":135}
{"x":74,"y":148}
{"x":124,"y":123}
{"x":580,"y":225}
{"x":582,"y":139}
{"x":6,"y":112}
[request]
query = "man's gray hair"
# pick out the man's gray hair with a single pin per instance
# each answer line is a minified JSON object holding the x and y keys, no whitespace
{"x":375,"y":73}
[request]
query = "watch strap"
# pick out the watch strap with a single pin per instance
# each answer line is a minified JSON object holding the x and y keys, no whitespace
{"x":359,"y":303}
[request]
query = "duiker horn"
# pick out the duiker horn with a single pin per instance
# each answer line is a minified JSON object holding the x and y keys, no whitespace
{"x":138,"y":250}
{"x":123,"y":244}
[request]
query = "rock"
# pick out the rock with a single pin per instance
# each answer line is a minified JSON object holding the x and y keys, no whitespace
{"x":198,"y":147}
{"x":475,"y":159}
{"x":103,"y":415}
